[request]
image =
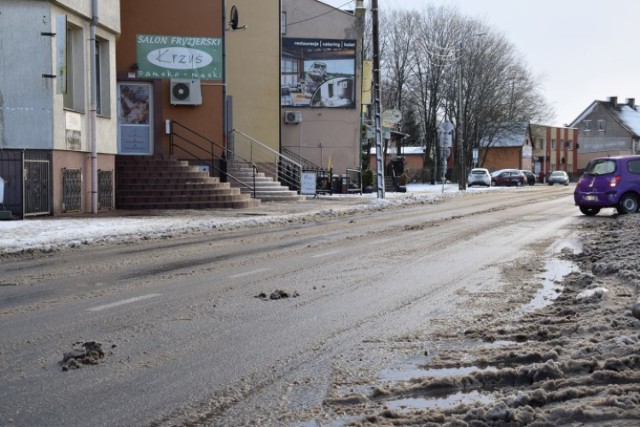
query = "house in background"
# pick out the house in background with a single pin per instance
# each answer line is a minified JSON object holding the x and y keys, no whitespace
{"x":56,"y":153}
{"x":607,"y":128}
{"x":509,"y":148}
{"x":554,"y":148}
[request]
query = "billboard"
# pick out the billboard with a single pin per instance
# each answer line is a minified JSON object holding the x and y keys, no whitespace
{"x":318,"y":73}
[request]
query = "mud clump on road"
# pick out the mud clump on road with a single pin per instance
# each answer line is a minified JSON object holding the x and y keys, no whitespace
{"x":89,"y":353}
{"x":575,"y":361}
{"x":277,"y":294}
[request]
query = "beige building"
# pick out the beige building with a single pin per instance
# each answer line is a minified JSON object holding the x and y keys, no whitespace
{"x":320,"y":84}
{"x":253,"y":79}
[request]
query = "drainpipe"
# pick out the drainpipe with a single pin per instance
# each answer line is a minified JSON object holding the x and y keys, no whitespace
{"x":92,"y":108}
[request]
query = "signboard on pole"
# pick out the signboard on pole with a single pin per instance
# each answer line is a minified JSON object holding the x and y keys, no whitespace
{"x":308,"y":184}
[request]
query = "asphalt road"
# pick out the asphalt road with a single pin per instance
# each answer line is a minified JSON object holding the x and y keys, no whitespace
{"x":189,"y":341}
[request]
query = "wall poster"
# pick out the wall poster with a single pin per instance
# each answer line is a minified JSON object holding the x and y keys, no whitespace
{"x":135,"y":133}
{"x":318,"y":73}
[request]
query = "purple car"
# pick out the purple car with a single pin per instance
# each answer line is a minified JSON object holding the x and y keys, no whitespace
{"x":609,"y":182}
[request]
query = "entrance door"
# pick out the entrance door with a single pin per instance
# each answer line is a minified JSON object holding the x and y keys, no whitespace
{"x":135,"y":118}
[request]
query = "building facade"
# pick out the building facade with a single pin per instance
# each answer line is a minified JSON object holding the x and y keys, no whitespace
{"x":607,"y":128}
{"x":509,"y":148}
{"x":555,"y":148}
{"x":321,"y":84}
{"x":163,"y":85}
{"x":56,"y":155}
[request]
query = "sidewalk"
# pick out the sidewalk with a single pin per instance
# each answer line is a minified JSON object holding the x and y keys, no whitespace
{"x":46,"y":234}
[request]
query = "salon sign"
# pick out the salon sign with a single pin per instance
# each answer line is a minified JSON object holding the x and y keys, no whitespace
{"x":173,"y":57}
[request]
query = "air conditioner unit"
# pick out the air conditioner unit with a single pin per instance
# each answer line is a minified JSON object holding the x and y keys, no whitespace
{"x":185,"y":92}
{"x":293,"y":117}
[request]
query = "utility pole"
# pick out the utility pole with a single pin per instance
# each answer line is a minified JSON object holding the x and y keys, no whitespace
{"x":462,"y":180}
{"x":376,"y":97}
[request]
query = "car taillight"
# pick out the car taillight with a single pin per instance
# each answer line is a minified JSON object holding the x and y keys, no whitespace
{"x":614,"y":181}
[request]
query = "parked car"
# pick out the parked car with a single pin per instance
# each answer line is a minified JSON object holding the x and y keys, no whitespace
{"x":508,"y":177}
{"x":558,"y":177}
{"x":479,"y":176}
{"x":609,"y":182}
{"x":531,"y":178}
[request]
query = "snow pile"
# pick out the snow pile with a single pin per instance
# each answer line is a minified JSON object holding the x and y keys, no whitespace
{"x":55,"y":233}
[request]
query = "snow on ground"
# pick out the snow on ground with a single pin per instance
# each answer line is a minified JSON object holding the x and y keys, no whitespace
{"x":53,"y":233}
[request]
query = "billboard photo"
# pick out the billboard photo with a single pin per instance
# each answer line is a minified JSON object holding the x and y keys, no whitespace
{"x":318,"y":73}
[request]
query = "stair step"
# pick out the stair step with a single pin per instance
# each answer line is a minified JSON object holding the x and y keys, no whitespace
{"x":163,"y":182}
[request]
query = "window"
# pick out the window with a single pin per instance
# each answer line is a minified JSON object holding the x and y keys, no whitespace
{"x":103,"y":89}
{"x":74,"y":97}
{"x":290,"y":73}
{"x":602,"y":125}
{"x":283,"y":23}
{"x":553,"y":144}
{"x":634,"y":166}
{"x":569,"y":145}
{"x":587,"y":125}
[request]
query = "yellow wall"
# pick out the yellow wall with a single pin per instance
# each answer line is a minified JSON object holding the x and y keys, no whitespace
{"x":253,"y":72}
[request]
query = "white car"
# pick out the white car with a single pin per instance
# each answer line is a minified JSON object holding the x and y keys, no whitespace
{"x":479,"y":176}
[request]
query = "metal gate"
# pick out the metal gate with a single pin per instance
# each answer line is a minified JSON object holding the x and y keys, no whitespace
{"x":27,"y":177}
{"x":71,"y":190}
{"x":37,"y":187}
{"x":11,"y":172}
{"x":105,"y":189}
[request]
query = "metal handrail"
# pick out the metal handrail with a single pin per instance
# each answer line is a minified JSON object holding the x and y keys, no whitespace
{"x":210,"y":153}
{"x":268,"y":161}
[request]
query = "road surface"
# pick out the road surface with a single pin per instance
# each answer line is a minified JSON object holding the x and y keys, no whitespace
{"x":191,"y":334}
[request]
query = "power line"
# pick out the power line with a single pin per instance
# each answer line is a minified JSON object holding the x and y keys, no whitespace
{"x":318,"y":16}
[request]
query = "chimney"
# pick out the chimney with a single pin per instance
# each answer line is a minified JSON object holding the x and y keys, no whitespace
{"x":613,"y":100}
{"x":631,"y":102}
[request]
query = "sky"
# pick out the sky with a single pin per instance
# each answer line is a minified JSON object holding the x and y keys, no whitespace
{"x":579,"y":50}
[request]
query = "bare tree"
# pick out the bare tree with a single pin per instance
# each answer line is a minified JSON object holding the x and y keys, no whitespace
{"x":444,"y":66}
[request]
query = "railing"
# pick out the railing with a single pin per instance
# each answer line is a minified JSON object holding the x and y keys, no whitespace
{"x":199,"y":148}
{"x":306,"y":164}
{"x":266,"y":160}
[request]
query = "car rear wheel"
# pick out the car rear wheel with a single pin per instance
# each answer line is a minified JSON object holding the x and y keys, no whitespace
{"x":589,"y":211}
{"x":628,"y":204}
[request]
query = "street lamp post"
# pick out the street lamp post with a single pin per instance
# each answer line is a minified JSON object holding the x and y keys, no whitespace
{"x":462,"y":182}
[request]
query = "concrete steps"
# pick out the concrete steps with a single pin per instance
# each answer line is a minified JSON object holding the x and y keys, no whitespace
{"x":266,"y":187}
{"x":162,"y":182}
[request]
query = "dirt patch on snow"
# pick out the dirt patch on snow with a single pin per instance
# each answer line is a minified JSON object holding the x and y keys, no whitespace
{"x":570,"y":356}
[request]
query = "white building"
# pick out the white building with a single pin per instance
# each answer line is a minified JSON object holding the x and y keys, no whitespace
{"x":47,"y":125}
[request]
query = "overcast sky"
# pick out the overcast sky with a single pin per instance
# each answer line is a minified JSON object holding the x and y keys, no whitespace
{"x":580,"y":50}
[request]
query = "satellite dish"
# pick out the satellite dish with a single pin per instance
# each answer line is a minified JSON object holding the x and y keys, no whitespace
{"x":391,"y":116}
{"x":233,"y":20}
